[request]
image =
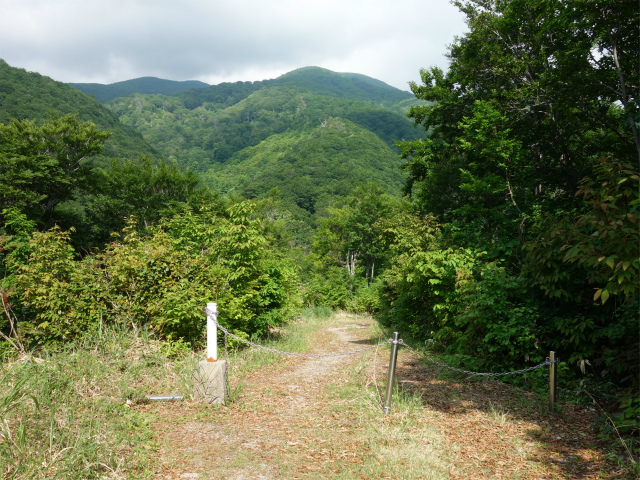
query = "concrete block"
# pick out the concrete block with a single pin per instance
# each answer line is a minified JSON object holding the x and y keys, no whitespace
{"x":210,"y":382}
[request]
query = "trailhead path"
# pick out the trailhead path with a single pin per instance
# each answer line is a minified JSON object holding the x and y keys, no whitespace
{"x":317,"y":418}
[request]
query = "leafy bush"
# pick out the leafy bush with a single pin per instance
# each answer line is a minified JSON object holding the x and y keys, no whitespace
{"x":161,"y":277}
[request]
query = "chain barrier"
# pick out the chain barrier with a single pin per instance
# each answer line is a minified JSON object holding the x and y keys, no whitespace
{"x":479,"y":374}
{"x":227,"y":333}
{"x":551,"y":361}
{"x":293,"y":354}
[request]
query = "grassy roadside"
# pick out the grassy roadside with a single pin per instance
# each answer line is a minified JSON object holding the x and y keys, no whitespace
{"x":401,"y":445}
{"x":79,"y":411}
{"x":492,"y":429}
{"x":66,"y":413}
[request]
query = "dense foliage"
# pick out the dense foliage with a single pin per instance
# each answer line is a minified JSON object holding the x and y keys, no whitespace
{"x":348,"y":251}
{"x":30,"y":96}
{"x":310,"y":168}
{"x":531,"y":171}
{"x":158,"y":276}
{"x":204,"y":127}
{"x":159,"y":245}
{"x":41,"y":166}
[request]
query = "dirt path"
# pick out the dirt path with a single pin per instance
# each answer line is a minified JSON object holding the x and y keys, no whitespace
{"x":282,"y":414}
{"x":320,"y":418}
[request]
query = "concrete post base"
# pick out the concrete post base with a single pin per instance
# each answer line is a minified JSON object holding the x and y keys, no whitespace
{"x":210,"y":383}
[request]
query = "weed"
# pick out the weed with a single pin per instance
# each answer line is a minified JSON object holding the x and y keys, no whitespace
{"x":499,"y":416}
{"x":63,"y":412}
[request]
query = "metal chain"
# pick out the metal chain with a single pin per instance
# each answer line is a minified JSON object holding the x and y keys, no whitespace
{"x":227,"y":333}
{"x":516,"y":372}
{"x":305,"y":355}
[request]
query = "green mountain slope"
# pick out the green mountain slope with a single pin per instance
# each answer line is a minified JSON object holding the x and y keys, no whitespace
{"x":310,"y":167}
{"x":199,"y":128}
{"x":146,"y":85}
{"x":350,"y":86}
{"x":28,"y":95}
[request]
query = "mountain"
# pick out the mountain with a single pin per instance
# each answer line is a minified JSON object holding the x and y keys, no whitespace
{"x":204,"y":127}
{"x":351,"y":86}
{"x":145,"y":85}
{"x":306,"y":137}
{"x":310,"y":167}
{"x":29,"y":95}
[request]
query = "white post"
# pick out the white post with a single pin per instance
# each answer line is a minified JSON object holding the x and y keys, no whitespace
{"x":212,"y":332}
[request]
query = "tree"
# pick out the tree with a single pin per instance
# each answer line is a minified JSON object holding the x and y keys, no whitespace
{"x":528,"y":165}
{"x":535,"y":92}
{"x":41,"y":166}
{"x":349,"y":237}
{"x":142,"y":188}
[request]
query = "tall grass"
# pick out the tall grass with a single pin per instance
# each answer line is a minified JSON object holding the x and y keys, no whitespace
{"x":66,"y":412}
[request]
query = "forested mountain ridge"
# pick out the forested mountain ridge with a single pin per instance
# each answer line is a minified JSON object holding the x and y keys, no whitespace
{"x":29,"y":95}
{"x":354,"y":86}
{"x":318,"y":80}
{"x":146,"y":85}
{"x":200,"y":128}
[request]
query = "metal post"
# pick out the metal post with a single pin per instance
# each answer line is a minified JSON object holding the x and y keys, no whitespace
{"x":392,"y":372}
{"x":553,"y":374}
{"x":212,"y":332}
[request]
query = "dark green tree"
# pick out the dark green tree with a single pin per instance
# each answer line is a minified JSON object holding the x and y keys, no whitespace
{"x":534,"y":94}
{"x":43,"y":165}
{"x":528,"y":165}
{"x":142,"y":188}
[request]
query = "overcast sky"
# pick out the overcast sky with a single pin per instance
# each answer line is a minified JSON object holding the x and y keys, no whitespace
{"x":214,"y":41}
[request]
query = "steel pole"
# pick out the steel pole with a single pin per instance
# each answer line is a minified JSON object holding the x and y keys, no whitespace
{"x":392,"y":372}
{"x":553,"y":374}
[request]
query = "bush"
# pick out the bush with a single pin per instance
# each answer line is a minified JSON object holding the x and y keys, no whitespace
{"x":161,"y":277}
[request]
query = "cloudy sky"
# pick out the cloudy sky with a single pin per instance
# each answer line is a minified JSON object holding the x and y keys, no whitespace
{"x":214,"y":41}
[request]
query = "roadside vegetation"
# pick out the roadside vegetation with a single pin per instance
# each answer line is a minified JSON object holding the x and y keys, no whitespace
{"x":81,"y":409}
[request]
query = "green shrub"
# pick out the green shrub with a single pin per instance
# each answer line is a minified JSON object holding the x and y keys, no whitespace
{"x":161,"y":277}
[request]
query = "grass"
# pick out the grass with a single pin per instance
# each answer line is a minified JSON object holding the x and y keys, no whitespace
{"x":66,"y":412}
{"x":498,"y":414}
{"x":399,"y":445}
{"x":81,"y":412}
{"x":292,"y":337}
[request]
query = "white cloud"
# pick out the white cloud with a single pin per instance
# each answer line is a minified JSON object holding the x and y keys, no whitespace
{"x":107,"y":41}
